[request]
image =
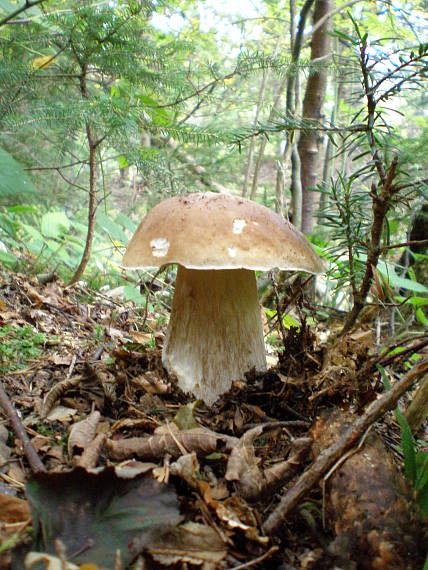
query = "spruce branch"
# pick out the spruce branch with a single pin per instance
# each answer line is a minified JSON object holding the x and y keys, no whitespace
{"x":28,"y":4}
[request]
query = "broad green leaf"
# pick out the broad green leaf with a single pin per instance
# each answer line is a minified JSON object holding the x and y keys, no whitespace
{"x":289,"y":322}
{"x":127,"y":222}
{"x":33,"y":232}
{"x":123,"y":163}
{"x":13,"y":180}
{"x":7,"y":258}
{"x":55,"y":224}
{"x":420,"y":316}
{"x":132,"y":293}
{"x":108,"y":225}
{"x":96,"y":515}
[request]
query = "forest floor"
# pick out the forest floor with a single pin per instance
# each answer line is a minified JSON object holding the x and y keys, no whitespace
{"x":128,"y":469}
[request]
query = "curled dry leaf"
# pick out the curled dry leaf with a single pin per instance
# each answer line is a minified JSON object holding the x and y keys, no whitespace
{"x":82,"y":433}
{"x":50,"y":562}
{"x":56,"y":392}
{"x":192,"y":543}
{"x":13,"y":509}
{"x":151,"y":383}
{"x":199,"y":440}
{"x":237,"y":515}
{"x":243,"y":465}
{"x":186,"y":468}
{"x":91,"y":453}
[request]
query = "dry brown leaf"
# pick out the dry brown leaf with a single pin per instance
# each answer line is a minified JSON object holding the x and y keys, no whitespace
{"x":57,"y":391}
{"x":200,"y":440}
{"x":186,"y":467}
{"x":82,"y":433}
{"x":61,"y":414}
{"x":92,"y":452}
{"x":151,"y":383}
{"x":61,"y":359}
{"x":140,"y":337}
{"x":192,"y":543}
{"x":13,"y":509}
{"x":132,"y":423}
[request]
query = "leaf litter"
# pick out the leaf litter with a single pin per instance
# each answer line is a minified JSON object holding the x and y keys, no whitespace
{"x":138,"y":474}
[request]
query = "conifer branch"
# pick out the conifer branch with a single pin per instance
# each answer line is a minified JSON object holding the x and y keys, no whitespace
{"x":28,"y":4}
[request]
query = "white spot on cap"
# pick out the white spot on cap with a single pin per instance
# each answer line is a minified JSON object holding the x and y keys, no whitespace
{"x":238,"y":225}
{"x":232,"y":251}
{"x":159,"y":247}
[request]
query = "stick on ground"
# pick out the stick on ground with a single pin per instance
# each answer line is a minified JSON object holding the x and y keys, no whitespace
{"x":10,"y":413}
{"x":329,"y":457}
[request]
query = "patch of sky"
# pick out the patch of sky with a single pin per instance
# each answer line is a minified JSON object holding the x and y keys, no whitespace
{"x":225,"y":18}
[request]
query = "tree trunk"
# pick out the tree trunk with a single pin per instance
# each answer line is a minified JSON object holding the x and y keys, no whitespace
{"x":288,"y":83}
{"x":92,"y":206}
{"x":312,"y":109}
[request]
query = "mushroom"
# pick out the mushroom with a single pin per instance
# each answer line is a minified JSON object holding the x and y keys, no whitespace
{"x":215,"y":332}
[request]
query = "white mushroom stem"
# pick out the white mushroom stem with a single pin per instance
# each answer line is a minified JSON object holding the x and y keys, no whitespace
{"x":215,"y":332}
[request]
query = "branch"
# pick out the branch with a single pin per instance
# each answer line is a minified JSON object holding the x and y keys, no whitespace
{"x":349,"y":439}
{"x":406,"y":244}
{"x":10,"y":413}
{"x":18,"y":11}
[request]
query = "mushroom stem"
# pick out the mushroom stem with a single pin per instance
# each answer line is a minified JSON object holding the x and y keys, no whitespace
{"x":215,"y":332}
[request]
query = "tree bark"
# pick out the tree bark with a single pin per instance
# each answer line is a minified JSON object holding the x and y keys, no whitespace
{"x":312,"y":109}
{"x":92,"y":206}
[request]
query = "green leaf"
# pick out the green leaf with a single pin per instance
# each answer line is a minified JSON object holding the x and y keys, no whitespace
{"x":54,"y":224}
{"x":123,"y":163}
{"x":289,"y":322}
{"x":420,"y":317}
{"x":13,"y":180}
{"x":422,"y":470}
{"x":409,"y":448}
{"x":132,"y":293}
{"x":7,"y":258}
{"x":114,"y":230}
{"x":130,"y":225}
{"x":33,"y":233}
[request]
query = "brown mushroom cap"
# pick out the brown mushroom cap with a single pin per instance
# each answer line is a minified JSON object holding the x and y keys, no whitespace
{"x":219,"y":231}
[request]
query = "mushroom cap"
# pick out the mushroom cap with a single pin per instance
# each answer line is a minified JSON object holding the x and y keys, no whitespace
{"x":219,"y":231}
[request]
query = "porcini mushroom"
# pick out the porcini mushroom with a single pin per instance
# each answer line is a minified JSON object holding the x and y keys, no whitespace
{"x":215,"y":331}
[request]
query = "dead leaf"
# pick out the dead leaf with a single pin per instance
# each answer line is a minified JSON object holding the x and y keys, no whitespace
{"x":142,"y":338}
{"x":92,"y":452}
{"x":96,"y":514}
{"x":61,"y":414}
{"x":192,"y":543}
{"x":185,"y":418}
{"x":151,"y":383}
{"x":82,"y":433}
{"x":51,"y":562}
{"x":200,"y":440}
{"x":13,"y":509}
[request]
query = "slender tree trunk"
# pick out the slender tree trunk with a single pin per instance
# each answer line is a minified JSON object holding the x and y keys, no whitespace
{"x":312,"y":109}
{"x":92,"y":206}
{"x":288,"y":83}
{"x":329,"y":161}
{"x":256,"y":118}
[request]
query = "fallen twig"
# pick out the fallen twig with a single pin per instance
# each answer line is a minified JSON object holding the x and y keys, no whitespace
{"x":329,"y":457}
{"x":29,"y":451}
